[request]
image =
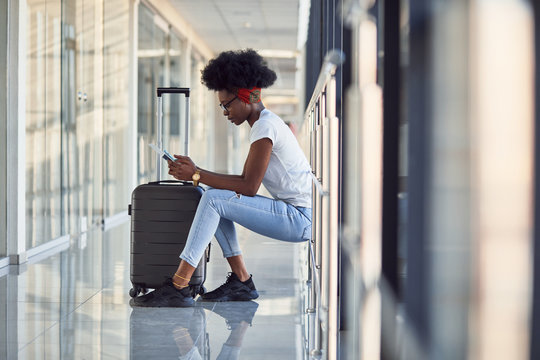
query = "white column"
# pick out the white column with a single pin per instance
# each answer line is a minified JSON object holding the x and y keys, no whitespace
{"x":502,"y":163}
{"x":133,"y":89}
{"x":16,"y":81}
{"x":3,"y":117}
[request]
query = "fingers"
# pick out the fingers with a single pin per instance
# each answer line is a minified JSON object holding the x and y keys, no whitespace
{"x":178,"y":170}
{"x":180,"y":160}
{"x":182,"y":168}
{"x":183,"y":159}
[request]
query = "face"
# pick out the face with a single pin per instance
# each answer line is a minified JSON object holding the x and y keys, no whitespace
{"x":234,"y":109}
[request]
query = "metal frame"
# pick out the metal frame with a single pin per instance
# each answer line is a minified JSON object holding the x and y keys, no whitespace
{"x":3,"y":128}
{"x":417,"y":284}
{"x":16,"y":135}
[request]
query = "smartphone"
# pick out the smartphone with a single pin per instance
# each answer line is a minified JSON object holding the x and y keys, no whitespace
{"x":163,"y":153}
{"x":168,"y":156}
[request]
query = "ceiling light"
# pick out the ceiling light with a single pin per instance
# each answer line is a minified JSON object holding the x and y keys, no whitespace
{"x":277,"y":53}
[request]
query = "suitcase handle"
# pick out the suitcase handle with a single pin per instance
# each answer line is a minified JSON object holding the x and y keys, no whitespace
{"x":171,"y":182}
{"x":172,"y":90}
{"x":159,"y":115}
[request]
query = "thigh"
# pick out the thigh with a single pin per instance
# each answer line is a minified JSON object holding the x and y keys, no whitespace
{"x":268,"y":217}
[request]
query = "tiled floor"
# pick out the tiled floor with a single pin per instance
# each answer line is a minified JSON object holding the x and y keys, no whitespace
{"x":74,"y":305}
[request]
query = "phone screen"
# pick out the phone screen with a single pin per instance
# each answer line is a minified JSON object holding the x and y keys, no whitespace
{"x":163,"y":153}
{"x":168,"y":156}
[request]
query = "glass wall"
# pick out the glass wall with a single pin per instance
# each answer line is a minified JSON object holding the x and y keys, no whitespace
{"x":116,"y":40}
{"x":77,"y":110}
{"x":151,"y":74}
{"x":43,"y":122}
{"x":82,"y":140}
{"x":199,"y":120}
{"x":163,"y":60}
{"x":173,"y":135}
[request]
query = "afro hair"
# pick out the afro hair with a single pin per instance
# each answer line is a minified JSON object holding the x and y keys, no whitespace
{"x":232,"y":70}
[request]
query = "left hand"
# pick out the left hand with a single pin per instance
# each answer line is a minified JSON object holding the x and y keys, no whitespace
{"x":182,"y":168}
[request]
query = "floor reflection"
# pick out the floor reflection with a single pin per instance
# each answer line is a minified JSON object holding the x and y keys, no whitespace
{"x":238,"y":318}
{"x":75,"y":305}
{"x":182,"y":332}
{"x":168,"y":333}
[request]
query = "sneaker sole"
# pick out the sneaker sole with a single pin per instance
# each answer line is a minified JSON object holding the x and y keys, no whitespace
{"x":246,"y":297}
{"x":132,"y":303}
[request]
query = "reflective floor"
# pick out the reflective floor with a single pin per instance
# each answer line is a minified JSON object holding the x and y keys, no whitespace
{"x":74,"y":305}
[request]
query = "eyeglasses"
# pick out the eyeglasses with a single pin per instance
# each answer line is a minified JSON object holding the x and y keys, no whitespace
{"x":225,"y":107}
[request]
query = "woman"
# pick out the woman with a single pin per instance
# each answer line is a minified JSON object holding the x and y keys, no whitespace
{"x":274,"y":159}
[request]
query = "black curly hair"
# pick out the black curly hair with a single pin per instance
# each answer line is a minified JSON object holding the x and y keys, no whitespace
{"x":232,"y":70}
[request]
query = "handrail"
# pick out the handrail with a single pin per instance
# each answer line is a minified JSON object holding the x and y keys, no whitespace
{"x":321,"y":126}
{"x":318,"y":185}
{"x":332,"y":60}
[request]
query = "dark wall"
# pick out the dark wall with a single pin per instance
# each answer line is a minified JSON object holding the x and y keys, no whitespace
{"x":326,"y":31}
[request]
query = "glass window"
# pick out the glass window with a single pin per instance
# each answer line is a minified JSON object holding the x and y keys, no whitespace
{"x":163,"y":61}
{"x":151,"y":74}
{"x":82,"y":140}
{"x":115,"y":105}
{"x":200,"y":129}
{"x":174,"y":138}
{"x":43,"y":122}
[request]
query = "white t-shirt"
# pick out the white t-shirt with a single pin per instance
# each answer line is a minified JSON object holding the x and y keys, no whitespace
{"x":288,"y":176}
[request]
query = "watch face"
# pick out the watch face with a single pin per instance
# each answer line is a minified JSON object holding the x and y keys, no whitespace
{"x":196,"y":177}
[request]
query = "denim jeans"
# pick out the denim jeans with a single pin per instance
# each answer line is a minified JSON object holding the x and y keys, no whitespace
{"x":218,"y":211}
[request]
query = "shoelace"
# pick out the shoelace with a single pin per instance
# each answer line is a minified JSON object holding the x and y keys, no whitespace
{"x":229,"y":279}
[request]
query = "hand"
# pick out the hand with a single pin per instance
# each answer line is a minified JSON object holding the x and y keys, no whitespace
{"x":182,"y":168}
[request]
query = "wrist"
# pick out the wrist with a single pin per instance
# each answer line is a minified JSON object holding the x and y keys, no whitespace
{"x":196,"y":177}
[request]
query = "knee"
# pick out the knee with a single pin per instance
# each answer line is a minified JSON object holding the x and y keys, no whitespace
{"x":307,"y":234}
{"x":212,"y":194}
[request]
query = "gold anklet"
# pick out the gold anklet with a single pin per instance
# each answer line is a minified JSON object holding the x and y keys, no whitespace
{"x":178,"y":286}
{"x":181,"y":277}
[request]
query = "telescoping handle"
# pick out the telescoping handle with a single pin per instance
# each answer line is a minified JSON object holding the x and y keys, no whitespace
{"x":160,"y":92}
{"x":172,"y":90}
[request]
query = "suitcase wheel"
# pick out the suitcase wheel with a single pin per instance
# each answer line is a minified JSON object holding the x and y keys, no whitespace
{"x":197,"y":290}
{"x":133,"y":292}
{"x":136,"y":289}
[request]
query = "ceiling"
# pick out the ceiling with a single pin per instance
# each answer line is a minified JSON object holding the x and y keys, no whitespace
{"x":268,"y":26}
{"x":234,"y":24}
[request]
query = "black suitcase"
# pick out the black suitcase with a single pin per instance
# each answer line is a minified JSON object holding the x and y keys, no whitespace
{"x":161,"y":216}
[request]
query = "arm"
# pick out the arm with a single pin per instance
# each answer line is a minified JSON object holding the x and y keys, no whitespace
{"x":246,"y":184}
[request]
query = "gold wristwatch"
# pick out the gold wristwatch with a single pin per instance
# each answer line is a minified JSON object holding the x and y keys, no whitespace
{"x":196,"y":177}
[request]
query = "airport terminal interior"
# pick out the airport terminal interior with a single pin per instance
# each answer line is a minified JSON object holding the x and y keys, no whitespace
{"x":420,"y":120}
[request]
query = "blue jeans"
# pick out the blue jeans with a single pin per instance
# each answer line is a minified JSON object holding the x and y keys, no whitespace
{"x":218,"y":211}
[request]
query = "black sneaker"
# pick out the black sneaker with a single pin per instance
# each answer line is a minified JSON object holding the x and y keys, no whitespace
{"x":165,"y":296}
{"x":233,"y":290}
